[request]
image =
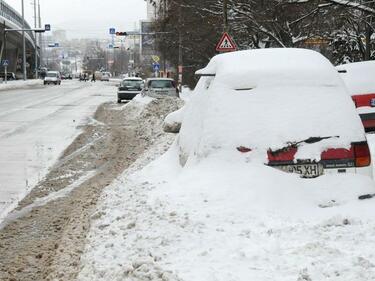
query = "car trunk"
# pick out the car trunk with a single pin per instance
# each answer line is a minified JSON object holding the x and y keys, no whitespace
{"x":357,"y":156}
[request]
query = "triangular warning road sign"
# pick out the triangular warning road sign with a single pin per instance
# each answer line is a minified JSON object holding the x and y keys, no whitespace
{"x":226,"y":44}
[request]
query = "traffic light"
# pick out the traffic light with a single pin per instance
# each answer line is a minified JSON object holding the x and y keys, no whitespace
{"x":121,"y":34}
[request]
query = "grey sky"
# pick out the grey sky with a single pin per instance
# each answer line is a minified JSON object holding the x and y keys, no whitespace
{"x":86,"y":18}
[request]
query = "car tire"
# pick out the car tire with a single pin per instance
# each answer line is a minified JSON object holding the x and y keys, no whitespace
{"x":118,"y":101}
{"x":45,"y":83}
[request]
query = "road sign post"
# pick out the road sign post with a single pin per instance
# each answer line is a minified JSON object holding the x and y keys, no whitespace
{"x":5,"y":64}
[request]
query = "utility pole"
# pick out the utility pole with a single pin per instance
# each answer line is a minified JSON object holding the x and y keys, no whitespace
{"x":40,"y":37}
{"x":23,"y":42}
{"x":225,"y":15}
{"x":36,"y":41}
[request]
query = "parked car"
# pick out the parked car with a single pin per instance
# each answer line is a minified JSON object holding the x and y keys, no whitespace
{"x":285,"y":108}
{"x":359,"y":79}
{"x":129,"y":88}
{"x":10,"y":76}
{"x":158,"y":87}
{"x":52,"y":77}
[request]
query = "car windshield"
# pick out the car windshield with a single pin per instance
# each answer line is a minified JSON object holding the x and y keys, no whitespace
{"x":132,"y":83}
{"x":51,"y":74}
{"x":161,"y":84}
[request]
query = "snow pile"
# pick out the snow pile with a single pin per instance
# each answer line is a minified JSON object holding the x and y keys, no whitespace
{"x":229,"y":220}
{"x":225,"y":215}
{"x":281,"y":103}
{"x":19,"y":84}
{"x":172,"y":123}
{"x":359,"y":77}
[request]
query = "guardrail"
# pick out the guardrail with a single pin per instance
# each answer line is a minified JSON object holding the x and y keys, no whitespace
{"x":6,"y":11}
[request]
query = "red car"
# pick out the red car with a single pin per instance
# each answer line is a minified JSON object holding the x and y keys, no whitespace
{"x":359,"y":79}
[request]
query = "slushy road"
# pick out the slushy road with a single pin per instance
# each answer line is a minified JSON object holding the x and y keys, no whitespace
{"x":36,"y":125}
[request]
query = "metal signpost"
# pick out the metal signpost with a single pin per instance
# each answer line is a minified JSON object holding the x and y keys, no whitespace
{"x":5,"y":64}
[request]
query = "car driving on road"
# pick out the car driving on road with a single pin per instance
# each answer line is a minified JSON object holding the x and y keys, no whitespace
{"x":52,"y":77}
{"x":129,"y":88}
{"x":285,"y":108}
{"x":158,"y":87}
{"x":360,"y":82}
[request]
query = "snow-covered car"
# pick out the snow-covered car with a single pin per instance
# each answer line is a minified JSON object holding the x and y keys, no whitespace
{"x":360,"y":82}
{"x":52,"y":77}
{"x":285,"y":108}
{"x":129,"y":88}
{"x":159,"y":87}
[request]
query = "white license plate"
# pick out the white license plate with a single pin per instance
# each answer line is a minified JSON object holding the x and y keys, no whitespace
{"x":305,"y":170}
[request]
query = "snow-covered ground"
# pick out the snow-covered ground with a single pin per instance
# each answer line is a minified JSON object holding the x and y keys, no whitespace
{"x":203,"y":211}
{"x":230,"y":220}
{"x":36,"y":125}
{"x":19,"y":84}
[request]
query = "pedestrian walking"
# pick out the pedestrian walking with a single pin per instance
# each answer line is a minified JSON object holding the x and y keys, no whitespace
{"x":93,"y":79}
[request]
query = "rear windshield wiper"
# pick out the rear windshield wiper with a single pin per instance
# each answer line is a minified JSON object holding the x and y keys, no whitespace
{"x":295,"y":144}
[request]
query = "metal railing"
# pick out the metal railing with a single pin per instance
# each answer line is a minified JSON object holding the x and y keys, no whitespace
{"x":6,"y":11}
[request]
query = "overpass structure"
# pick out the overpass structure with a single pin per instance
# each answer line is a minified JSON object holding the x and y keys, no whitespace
{"x":11,"y":19}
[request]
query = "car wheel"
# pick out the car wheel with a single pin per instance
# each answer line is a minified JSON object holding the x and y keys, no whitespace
{"x":45,"y":83}
{"x":118,"y":101}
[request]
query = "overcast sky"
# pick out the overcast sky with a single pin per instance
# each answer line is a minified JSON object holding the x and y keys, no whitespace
{"x":86,"y":18}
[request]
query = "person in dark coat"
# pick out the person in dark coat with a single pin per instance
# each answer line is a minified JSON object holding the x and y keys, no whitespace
{"x":93,"y":78}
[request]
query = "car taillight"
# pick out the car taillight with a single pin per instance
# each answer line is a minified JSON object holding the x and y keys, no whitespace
{"x":362,"y":154}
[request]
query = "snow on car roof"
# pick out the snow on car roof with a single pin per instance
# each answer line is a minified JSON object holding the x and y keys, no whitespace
{"x":271,"y":114}
{"x":133,"y":78}
{"x":251,"y":68}
{"x":358,"y":77}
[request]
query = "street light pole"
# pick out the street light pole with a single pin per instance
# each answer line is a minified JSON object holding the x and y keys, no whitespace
{"x":36,"y":41}
{"x":23,"y":42}
{"x":41,"y":50}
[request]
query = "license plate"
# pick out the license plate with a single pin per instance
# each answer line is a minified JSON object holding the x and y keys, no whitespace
{"x":305,"y":170}
{"x":372,"y":102}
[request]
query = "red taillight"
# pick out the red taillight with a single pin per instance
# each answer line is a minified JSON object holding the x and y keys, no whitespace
{"x":363,"y":100}
{"x":362,"y":154}
{"x":337,"y":154}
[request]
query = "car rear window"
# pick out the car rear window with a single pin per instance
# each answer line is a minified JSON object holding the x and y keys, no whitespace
{"x":132,"y":83}
{"x":51,"y":74}
{"x":161,"y":84}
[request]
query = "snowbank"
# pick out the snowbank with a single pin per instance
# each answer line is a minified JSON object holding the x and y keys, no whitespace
{"x":225,"y":215}
{"x":359,"y":77}
{"x":228,"y":220}
{"x":19,"y":84}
